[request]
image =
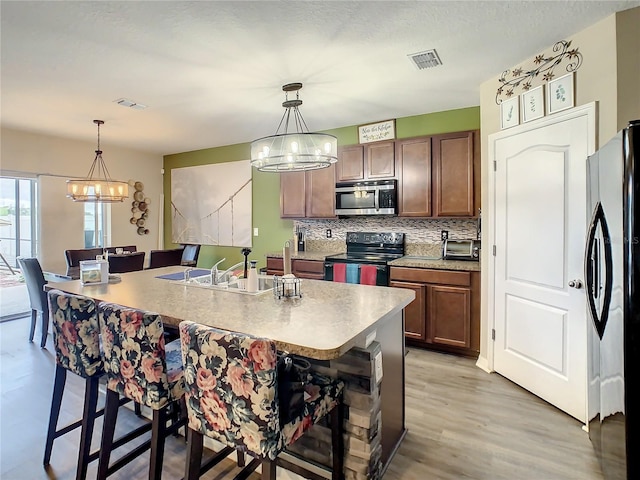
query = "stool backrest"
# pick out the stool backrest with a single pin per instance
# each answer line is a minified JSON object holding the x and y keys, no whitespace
{"x":76,"y":333}
{"x":134,"y":354}
{"x":231,"y":388}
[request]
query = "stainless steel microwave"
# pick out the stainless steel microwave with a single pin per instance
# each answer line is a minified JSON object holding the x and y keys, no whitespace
{"x":367,"y":198}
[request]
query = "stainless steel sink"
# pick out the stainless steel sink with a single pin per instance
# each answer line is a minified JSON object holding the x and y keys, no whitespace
{"x":265,"y":284}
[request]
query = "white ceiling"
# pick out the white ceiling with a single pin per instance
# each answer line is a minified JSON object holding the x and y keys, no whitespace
{"x":211,"y":72}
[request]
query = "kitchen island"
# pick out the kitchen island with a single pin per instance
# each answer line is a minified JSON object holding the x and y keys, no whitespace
{"x":324,"y":324}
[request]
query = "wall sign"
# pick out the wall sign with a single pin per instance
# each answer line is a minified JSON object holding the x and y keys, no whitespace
{"x":375,"y":132}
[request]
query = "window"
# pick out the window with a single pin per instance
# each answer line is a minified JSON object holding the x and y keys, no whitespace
{"x":17,"y":218}
{"x":97,"y":230}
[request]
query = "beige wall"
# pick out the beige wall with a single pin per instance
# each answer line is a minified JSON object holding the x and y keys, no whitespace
{"x":55,"y":159}
{"x":608,"y":76}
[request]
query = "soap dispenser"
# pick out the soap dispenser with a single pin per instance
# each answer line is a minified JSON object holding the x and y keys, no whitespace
{"x":252,"y":278}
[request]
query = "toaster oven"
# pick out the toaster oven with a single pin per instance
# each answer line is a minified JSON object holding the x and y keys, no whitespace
{"x":461,"y":250}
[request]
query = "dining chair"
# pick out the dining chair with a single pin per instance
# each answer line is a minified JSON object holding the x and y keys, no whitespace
{"x":190,"y":254}
{"x":76,"y":341}
{"x":73,"y":257}
{"x":140,"y":367}
{"x":231,"y":395}
{"x":126,"y":262}
{"x":34,"y":278}
{"x":165,"y":258}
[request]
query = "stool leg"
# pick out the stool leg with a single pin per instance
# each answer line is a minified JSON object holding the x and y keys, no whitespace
{"x":108,"y":429}
{"x":194,"y":455}
{"x":337,"y":442}
{"x":32,"y":329}
{"x":56,"y":401}
{"x":88,"y":421}
{"x":45,"y":328}
{"x":137,"y":409}
{"x":158,"y":434}
{"x":268,"y":469}
{"x":241,"y":457}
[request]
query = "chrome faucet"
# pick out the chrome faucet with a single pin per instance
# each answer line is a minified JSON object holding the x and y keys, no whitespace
{"x":220,"y":276}
{"x":215,"y":273}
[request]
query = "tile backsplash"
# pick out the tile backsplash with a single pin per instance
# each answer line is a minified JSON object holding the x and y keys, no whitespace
{"x":415,"y":230}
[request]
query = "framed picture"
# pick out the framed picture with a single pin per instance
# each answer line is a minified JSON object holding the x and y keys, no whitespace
{"x":560,"y":93}
{"x":532,"y":104}
{"x":510,"y":113}
{"x":375,"y":132}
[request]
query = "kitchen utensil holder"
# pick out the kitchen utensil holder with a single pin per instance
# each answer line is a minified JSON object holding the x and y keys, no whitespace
{"x":286,"y":287}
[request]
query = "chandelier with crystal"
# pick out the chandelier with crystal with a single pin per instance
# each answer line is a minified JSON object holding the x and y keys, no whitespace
{"x":98,"y":186}
{"x":293,"y":151}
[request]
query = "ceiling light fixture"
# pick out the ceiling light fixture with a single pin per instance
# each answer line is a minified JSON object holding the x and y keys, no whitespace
{"x":297,"y":151}
{"x":98,"y":186}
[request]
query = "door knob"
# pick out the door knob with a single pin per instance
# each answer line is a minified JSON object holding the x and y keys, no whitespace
{"x":575,"y":283}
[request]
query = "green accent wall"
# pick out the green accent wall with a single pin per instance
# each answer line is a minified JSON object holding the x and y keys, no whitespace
{"x":274,"y":231}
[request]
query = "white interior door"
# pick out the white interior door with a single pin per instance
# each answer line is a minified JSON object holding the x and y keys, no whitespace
{"x":540,"y":320}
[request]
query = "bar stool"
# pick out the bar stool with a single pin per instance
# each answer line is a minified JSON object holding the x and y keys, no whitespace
{"x":140,"y":367}
{"x":77,"y":345}
{"x":231,"y":396}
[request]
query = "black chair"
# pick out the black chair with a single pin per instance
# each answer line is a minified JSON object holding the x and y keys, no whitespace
{"x":74,"y":257}
{"x":165,"y":258}
{"x":129,"y":262}
{"x":34,"y":278}
{"x":190,"y":255}
{"x":127,"y":248}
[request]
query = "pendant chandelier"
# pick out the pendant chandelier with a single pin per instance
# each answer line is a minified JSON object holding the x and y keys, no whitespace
{"x":98,"y":186}
{"x":295,"y":151}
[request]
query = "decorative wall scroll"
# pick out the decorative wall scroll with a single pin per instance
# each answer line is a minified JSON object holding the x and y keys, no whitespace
{"x":212,"y":204}
{"x":375,"y":132}
{"x":544,"y":66}
{"x":139,"y":208}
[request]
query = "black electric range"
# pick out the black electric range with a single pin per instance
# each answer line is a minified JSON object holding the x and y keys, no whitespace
{"x":366,"y":248}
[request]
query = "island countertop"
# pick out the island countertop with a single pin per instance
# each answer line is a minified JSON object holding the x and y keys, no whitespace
{"x":325,"y":323}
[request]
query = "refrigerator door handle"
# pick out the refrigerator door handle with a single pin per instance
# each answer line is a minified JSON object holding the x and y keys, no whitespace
{"x":593,"y":263}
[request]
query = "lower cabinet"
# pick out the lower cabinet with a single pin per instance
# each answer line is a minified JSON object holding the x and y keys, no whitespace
{"x":445,"y":314}
{"x":312,"y":269}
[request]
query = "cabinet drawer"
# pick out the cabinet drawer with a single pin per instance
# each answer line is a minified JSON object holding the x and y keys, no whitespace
{"x":308,"y":266}
{"x":275,"y":266}
{"x":441,"y":277}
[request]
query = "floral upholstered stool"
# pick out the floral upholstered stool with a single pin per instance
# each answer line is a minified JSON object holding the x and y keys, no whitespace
{"x":231,"y":385}
{"x":139,"y":366}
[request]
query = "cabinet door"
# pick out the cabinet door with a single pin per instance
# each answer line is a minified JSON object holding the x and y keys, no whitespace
{"x":350,"y":165}
{"x":449,"y":319}
{"x":415,"y":326}
{"x":414,"y":173}
{"x":380,"y":160}
{"x":292,"y":195}
{"x":453,"y":160}
{"x":275,"y":266}
{"x":321,"y":193}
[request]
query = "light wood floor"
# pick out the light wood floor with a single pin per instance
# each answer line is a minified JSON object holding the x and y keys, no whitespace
{"x":463,"y":424}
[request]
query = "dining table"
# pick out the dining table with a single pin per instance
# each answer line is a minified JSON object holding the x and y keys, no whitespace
{"x":324,"y":322}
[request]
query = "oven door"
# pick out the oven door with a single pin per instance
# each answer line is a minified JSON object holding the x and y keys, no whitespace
{"x":381,"y":273}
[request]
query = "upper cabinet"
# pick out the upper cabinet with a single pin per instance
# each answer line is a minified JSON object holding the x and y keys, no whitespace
{"x":439,"y":176}
{"x":372,"y":161}
{"x":308,"y":194}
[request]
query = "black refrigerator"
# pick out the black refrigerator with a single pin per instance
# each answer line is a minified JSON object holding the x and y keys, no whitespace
{"x":612,"y":272}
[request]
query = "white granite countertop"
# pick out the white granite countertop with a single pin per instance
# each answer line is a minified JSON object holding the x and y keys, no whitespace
{"x":436,"y":263}
{"x":326,"y":322}
{"x":314,"y":255}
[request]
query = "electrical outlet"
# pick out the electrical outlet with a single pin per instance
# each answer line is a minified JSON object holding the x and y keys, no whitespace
{"x":328,"y":233}
{"x":255,"y":231}
{"x":444,"y":234}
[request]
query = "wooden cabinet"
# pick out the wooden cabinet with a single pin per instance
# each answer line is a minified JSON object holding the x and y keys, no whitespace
{"x":308,"y":194}
{"x":439,"y":176}
{"x":301,"y":268}
{"x":372,"y":161}
{"x":445,"y":314}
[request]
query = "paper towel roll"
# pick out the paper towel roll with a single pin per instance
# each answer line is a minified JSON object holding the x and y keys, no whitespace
{"x":286,"y":258}
{"x":295,"y":244}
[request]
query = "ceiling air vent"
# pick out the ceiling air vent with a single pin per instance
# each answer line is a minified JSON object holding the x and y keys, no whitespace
{"x":129,"y":103}
{"x":426,"y":59}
